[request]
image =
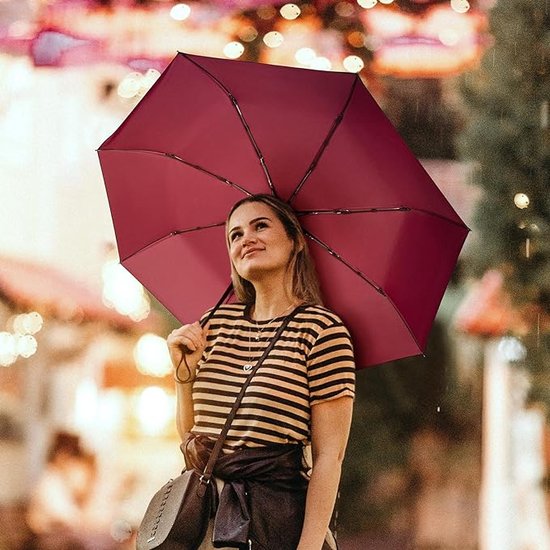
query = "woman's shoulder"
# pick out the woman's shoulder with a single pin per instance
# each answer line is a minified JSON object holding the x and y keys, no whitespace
{"x":226,"y":311}
{"x":320,"y":315}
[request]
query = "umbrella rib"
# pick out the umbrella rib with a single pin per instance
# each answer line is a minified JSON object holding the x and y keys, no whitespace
{"x":335,"y":254}
{"x":235,"y":103}
{"x":187,"y":163}
{"x":325,"y":143}
{"x":346,"y":211}
{"x":360,"y":274}
{"x":172,"y":234}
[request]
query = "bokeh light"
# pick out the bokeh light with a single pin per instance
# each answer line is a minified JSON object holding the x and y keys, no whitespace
{"x":367,"y":4}
{"x":321,"y":63}
{"x":521,"y":200}
{"x":151,"y":355}
{"x":305,"y":55}
{"x":460,"y":6}
{"x":353,"y":63}
{"x":290,"y":11}
{"x":180,"y":12}
{"x":233,"y":50}
{"x":273,"y":39}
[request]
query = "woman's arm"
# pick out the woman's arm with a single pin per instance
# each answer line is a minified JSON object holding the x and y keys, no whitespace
{"x":185,"y":418}
{"x":330,"y":425}
{"x":191,"y":341}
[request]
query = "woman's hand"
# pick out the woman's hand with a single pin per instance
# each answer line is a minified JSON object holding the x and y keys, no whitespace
{"x":188,"y":340}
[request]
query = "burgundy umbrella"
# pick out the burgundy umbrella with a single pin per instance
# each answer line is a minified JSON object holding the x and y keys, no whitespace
{"x":212,"y":131}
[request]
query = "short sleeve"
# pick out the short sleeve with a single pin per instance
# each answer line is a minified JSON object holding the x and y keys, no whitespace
{"x":331,"y":365}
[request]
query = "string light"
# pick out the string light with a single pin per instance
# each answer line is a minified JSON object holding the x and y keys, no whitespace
{"x":123,"y":292}
{"x":305,"y":55}
{"x":356,"y":39}
{"x":273,"y":39}
{"x":180,"y":12}
{"x":130,"y":85}
{"x":8,"y":349}
{"x":233,"y":50}
{"x":367,"y":4}
{"x":321,"y":63}
{"x":154,"y":410}
{"x":449,"y":37}
{"x":151,"y":355}
{"x":26,"y":323}
{"x":136,"y":84}
{"x":25,"y":345}
{"x":512,"y":348}
{"x":266,"y":12}
{"x":460,"y":6}
{"x":149,"y":78}
{"x":248,"y":33}
{"x":290,"y":11}
{"x":521,"y":200}
{"x":353,"y":63}
{"x":344,"y":9}
{"x":385,"y":1}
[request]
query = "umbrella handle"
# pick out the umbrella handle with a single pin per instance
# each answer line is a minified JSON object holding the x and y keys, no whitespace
{"x":189,"y":378}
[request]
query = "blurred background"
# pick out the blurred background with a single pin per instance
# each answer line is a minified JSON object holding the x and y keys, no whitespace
{"x":448,"y":452}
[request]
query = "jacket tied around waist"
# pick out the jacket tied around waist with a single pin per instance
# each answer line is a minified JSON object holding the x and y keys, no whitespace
{"x":263,"y":499}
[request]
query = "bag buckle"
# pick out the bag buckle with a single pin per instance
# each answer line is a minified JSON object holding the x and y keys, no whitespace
{"x":201,"y":480}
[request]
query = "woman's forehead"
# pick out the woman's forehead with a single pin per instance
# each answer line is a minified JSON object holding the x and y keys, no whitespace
{"x":248,"y":211}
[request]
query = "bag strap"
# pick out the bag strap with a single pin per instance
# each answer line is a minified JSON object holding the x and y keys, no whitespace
{"x":207,"y":474}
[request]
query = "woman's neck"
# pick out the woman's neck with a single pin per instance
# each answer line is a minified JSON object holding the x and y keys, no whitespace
{"x":272,"y":301}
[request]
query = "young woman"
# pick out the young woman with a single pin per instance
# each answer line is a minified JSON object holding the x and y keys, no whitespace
{"x":300,"y":399}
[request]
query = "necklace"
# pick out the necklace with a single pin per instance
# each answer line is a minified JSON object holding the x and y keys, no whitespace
{"x":248,"y":366}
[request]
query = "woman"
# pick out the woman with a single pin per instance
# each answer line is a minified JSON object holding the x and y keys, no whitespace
{"x":303,"y":392}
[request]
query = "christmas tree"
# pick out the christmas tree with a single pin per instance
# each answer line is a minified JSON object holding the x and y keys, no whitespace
{"x":508,"y":139}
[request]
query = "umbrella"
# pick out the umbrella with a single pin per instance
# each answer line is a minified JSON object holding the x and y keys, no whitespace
{"x":212,"y":131}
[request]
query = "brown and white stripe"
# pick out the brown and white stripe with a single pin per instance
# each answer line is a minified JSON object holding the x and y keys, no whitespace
{"x":311,"y":362}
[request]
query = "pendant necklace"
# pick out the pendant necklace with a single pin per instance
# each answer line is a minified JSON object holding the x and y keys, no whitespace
{"x":249,"y":366}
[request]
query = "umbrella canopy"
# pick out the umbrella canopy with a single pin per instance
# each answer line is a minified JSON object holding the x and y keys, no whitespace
{"x":212,"y":131}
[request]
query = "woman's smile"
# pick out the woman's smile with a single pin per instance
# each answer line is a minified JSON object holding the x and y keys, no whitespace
{"x":253,"y":229}
{"x":249,"y":252}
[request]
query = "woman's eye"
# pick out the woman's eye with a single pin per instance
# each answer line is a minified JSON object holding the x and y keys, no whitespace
{"x":261,"y":224}
{"x":234,"y":236}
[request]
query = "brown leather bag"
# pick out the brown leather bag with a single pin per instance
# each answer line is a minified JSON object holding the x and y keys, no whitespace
{"x":178,"y":514}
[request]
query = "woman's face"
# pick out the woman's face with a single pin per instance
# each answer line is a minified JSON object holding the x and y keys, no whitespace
{"x":258,"y":242}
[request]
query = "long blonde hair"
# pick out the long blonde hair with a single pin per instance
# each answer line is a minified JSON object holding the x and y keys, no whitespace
{"x":305,"y":283}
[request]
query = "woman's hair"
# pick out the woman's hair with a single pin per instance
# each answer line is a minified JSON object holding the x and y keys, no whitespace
{"x":305,"y":284}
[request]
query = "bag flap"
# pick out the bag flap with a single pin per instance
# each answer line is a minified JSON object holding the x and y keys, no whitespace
{"x":162,"y":512}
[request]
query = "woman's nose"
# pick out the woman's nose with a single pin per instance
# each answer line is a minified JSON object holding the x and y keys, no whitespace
{"x":249,"y":238}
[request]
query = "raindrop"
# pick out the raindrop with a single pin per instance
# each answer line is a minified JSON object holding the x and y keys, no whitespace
{"x":544,"y":115}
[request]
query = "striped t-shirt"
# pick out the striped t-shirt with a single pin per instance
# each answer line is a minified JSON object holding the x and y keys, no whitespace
{"x":311,"y":362}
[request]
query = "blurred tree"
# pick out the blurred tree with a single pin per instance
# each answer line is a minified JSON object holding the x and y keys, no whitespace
{"x":422,"y":115}
{"x":509,"y":138}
